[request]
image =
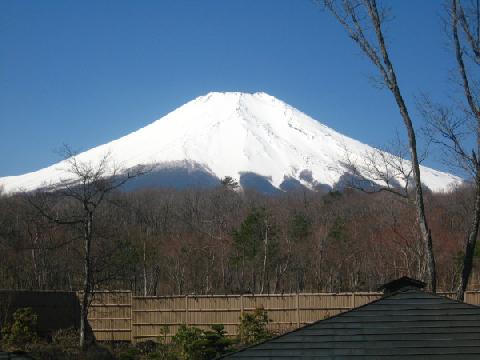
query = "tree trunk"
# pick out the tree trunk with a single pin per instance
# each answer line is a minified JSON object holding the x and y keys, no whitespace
{"x":378,"y":54}
{"x":469,"y":95}
{"x":419,"y":204}
{"x":86,"y":280}
{"x":265,"y":255}
{"x":34,"y":261}
{"x":391,"y":80}
{"x":144,"y":268}
{"x":470,"y":244}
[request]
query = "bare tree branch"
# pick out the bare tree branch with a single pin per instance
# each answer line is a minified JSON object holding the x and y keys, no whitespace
{"x":347,"y":15}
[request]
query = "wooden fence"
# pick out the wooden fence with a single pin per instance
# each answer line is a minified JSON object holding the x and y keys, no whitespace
{"x":121,"y":316}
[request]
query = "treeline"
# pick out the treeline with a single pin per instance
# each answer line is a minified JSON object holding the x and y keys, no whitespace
{"x":217,"y":241}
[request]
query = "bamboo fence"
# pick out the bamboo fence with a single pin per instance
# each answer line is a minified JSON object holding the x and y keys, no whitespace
{"x":121,"y":316}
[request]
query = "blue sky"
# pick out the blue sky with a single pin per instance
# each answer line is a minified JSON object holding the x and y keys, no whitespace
{"x":87,"y":72}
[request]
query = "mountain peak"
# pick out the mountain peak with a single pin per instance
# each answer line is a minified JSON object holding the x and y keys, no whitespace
{"x":241,"y":98}
{"x":237,"y":94}
{"x":233,"y":134}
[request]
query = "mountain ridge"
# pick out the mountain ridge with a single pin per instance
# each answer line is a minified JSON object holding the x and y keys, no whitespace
{"x":230,"y":134}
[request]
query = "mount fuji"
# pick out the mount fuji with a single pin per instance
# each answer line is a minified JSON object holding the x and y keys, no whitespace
{"x":256,"y":139}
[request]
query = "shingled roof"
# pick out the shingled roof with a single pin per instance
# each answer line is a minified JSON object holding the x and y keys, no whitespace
{"x":408,"y":324}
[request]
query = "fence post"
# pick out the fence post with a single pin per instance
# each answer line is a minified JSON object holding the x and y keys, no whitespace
{"x":297,"y":304}
{"x":186,"y":310}
{"x":353,"y":300}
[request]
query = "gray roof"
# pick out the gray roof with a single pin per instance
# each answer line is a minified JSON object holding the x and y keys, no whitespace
{"x":409,"y":324}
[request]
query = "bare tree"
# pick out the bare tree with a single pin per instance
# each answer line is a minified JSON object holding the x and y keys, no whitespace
{"x":455,"y":128}
{"x":469,"y":23}
{"x":363,"y":21}
{"x":385,"y":170}
{"x":265,"y":257}
{"x":86,"y":187}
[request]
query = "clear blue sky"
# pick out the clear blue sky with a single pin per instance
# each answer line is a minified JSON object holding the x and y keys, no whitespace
{"x":87,"y":72}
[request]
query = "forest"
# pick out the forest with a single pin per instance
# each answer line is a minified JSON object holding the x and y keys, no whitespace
{"x":223,"y":240}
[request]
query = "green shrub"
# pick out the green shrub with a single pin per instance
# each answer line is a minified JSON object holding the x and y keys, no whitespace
{"x":253,"y":327}
{"x":163,"y":335}
{"x":97,"y":352}
{"x":163,"y":352}
{"x":22,"y":330}
{"x":147,"y":347}
{"x":187,"y":341}
{"x":129,"y":354}
{"x":45,"y":351}
{"x":67,"y":338}
{"x":216,"y":342}
{"x":52,"y":351}
{"x":195,"y":344}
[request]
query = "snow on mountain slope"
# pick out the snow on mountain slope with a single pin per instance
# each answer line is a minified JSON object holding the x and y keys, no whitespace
{"x":230,"y":134}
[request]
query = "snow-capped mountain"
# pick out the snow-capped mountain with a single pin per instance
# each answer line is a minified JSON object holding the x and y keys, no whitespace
{"x":232,"y":134}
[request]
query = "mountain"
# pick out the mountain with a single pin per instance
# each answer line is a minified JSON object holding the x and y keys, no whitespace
{"x":255,"y":138}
